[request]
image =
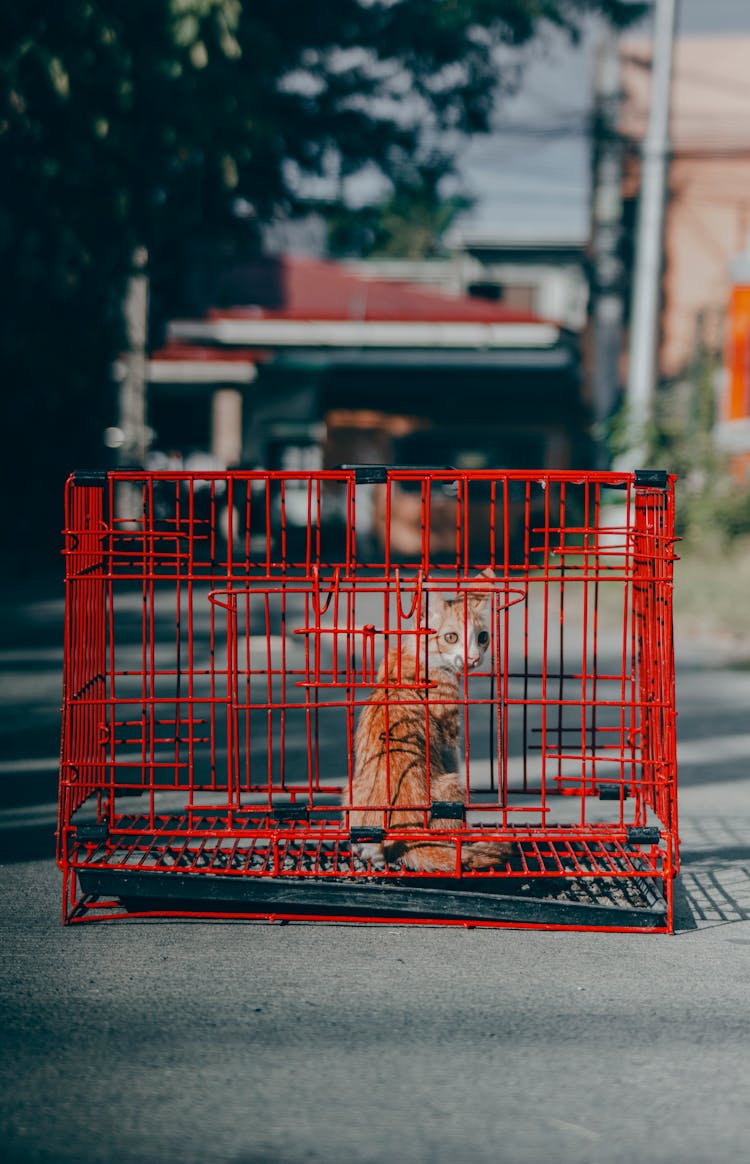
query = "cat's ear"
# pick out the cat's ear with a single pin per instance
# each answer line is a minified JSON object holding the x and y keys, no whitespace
{"x":428,"y":604}
{"x":434,"y":605}
{"x":482,"y":587}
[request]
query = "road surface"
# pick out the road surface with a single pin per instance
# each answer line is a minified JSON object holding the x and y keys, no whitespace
{"x":248,"y":1042}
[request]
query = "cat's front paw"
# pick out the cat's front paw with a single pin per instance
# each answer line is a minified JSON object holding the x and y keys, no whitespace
{"x":371,"y":854}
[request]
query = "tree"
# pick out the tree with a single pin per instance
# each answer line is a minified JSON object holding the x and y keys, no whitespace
{"x":408,"y":223}
{"x":157,"y":123}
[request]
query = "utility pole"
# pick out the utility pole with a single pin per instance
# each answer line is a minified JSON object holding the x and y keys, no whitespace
{"x":646,"y":302}
{"x":606,"y":230}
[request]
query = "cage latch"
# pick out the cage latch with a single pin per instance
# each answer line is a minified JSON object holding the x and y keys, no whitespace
{"x":378,"y":474}
{"x":363,"y":833}
{"x":643,"y":835}
{"x":447,"y":810}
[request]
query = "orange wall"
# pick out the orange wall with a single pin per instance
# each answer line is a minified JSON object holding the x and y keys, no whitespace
{"x":737,"y":399}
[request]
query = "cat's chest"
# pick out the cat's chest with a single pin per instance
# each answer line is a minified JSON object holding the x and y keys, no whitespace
{"x":443,"y":703}
{"x":440,"y":692}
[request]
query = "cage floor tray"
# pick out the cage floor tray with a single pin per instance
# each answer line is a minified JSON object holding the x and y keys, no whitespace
{"x":564,"y":882}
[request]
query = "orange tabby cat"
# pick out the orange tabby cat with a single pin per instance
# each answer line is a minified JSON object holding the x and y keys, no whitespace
{"x":406,"y":745}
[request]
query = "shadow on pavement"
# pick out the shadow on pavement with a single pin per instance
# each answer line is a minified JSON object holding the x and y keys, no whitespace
{"x":714,"y":893}
{"x":32,"y":843}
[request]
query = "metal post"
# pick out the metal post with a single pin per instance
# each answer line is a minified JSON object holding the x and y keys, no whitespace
{"x":132,"y":419}
{"x":132,"y":397}
{"x":226,"y":426}
{"x":645,"y":309}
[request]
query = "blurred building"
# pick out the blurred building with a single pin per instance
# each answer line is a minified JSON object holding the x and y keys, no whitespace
{"x":546,"y":277}
{"x":314,"y":364}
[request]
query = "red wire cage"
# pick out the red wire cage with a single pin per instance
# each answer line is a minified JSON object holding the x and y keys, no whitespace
{"x":224,"y":634}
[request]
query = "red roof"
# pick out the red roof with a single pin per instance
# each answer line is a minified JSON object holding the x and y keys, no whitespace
{"x":298,"y":288}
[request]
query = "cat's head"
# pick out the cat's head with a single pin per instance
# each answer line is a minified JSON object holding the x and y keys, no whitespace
{"x":460,"y":626}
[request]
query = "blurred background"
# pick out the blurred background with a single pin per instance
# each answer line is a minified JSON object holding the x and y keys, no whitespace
{"x":284,"y":235}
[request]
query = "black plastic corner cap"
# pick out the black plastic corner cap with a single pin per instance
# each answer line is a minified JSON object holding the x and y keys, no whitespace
{"x":94,"y":831}
{"x":651,"y":478}
{"x":91,"y":478}
{"x":290,"y":812}
{"x":447,"y":810}
{"x":643,"y":835}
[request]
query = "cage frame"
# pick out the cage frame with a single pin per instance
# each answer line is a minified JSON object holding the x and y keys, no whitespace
{"x":237,"y":859}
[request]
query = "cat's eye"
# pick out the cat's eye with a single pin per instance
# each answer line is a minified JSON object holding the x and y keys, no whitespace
{"x":450,"y":637}
{"x":483,"y":638}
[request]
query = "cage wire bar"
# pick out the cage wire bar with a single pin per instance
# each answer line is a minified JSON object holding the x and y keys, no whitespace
{"x":224,"y":635}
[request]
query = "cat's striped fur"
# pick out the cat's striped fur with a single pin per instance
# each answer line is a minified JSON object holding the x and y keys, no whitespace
{"x":406,"y":745}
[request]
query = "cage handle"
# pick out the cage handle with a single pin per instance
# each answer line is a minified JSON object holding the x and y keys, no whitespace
{"x":318,"y":609}
{"x":416,"y":601}
{"x":215,"y":599}
{"x":520,"y":596}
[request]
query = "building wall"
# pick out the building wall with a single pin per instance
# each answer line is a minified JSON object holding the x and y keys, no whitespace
{"x":706,"y":225}
{"x":708,"y":211}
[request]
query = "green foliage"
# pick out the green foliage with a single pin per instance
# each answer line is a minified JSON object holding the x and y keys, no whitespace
{"x":148,"y":122}
{"x":712,"y":508}
{"x":409,"y":224}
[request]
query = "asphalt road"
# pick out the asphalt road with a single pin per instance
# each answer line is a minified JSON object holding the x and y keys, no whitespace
{"x":248,"y":1042}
